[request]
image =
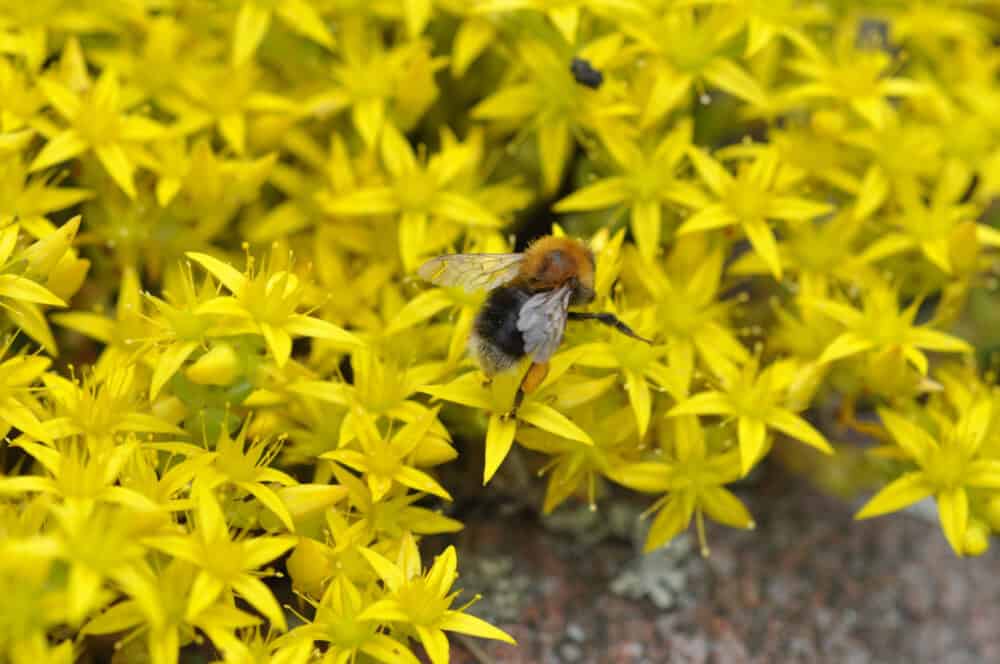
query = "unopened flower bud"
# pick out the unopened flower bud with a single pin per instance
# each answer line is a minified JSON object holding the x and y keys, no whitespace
{"x":219,"y":366}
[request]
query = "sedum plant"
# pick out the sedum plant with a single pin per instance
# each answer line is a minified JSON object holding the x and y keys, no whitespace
{"x":219,"y":371}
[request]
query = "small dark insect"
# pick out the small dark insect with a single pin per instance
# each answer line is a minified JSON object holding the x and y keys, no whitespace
{"x":873,"y":35}
{"x":528,"y":303}
{"x":585,"y":74}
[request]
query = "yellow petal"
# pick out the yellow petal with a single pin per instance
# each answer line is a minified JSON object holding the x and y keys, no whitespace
{"x":646,"y":227}
{"x":794,"y":426}
{"x":472,"y":38}
{"x":916,"y":441}
{"x":640,"y":398}
{"x":601,"y":194}
{"x":118,"y":166}
{"x":762,"y":239}
{"x":26,"y":290}
{"x":64,"y":145}
{"x":229,"y":276}
{"x":551,"y":420}
{"x":260,"y":597}
{"x":251,"y":25}
{"x":465,"y":624}
{"x":278,"y":342}
{"x":499,"y":438}
{"x":722,"y":506}
{"x":752,"y":438}
{"x":903,"y":492}
{"x":707,"y":219}
{"x":671,"y":520}
{"x":304,"y":19}
{"x":727,"y":75}
{"x":953,"y":510}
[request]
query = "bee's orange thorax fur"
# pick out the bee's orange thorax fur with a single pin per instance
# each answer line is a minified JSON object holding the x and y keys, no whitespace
{"x":551,"y":261}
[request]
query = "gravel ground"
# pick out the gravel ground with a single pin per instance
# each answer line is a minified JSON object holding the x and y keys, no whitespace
{"x":809,"y":585}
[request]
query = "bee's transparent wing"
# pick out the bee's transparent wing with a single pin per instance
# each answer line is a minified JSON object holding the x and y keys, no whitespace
{"x":473,"y":272}
{"x":542,"y":322}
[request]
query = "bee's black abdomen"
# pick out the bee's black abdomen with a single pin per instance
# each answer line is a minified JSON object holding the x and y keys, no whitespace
{"x":496,"y":341}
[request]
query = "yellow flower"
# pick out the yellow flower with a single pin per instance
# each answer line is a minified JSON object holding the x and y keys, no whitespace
{"x":690,"y":316}
{"x":547,"y":99}
{"x":749,"y":200}
{"x":651,"y":179}
{"x":638,"y":362}
{"x":265,"y":302}
{"x":769,"y":19}
{"x":693,"y":477}
{"x":688,"y":48}
{"x":497,"y":400}
{"x":225,"y":564}
{"x":247,"y":468}
{"x":80,"y":476}
{"x":575,"y":467}
{"x":947,"y":467}
{"x":821,"y":254}
{"x":380,"y":85}
{"x":419,"y":193}
{"x":383,"y":462}
{"x":103,"y":406}
{"x":933,"y":227}
{"x":157,"y":606}
{"x":98,"y":123}
{"x":337,"y":623}
{"x":754,"y":398}
{"x":364,"y":520}
{"x":879,"y":324}
{"x":423,"y":600}
{"x":225,"y":97}
{"x":852,"y":75}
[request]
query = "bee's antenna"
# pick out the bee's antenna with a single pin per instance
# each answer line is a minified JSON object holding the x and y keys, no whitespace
{"x":610,"y":320}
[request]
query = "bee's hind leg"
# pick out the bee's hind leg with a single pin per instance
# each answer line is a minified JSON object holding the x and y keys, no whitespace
{"x":534,"y":377}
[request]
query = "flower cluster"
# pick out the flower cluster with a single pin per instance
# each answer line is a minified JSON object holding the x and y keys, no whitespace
{"x":218,"y":366}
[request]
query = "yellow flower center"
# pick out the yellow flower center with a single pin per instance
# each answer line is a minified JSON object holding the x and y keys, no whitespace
{"x":97,"y":123}
{"x":746,"y":200}
{"x":945,"y":468}
{"x":416,"y":191}
{"x":421,"y":602}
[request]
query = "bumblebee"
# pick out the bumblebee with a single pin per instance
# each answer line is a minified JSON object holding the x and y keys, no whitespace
{"x":527,"y":308}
